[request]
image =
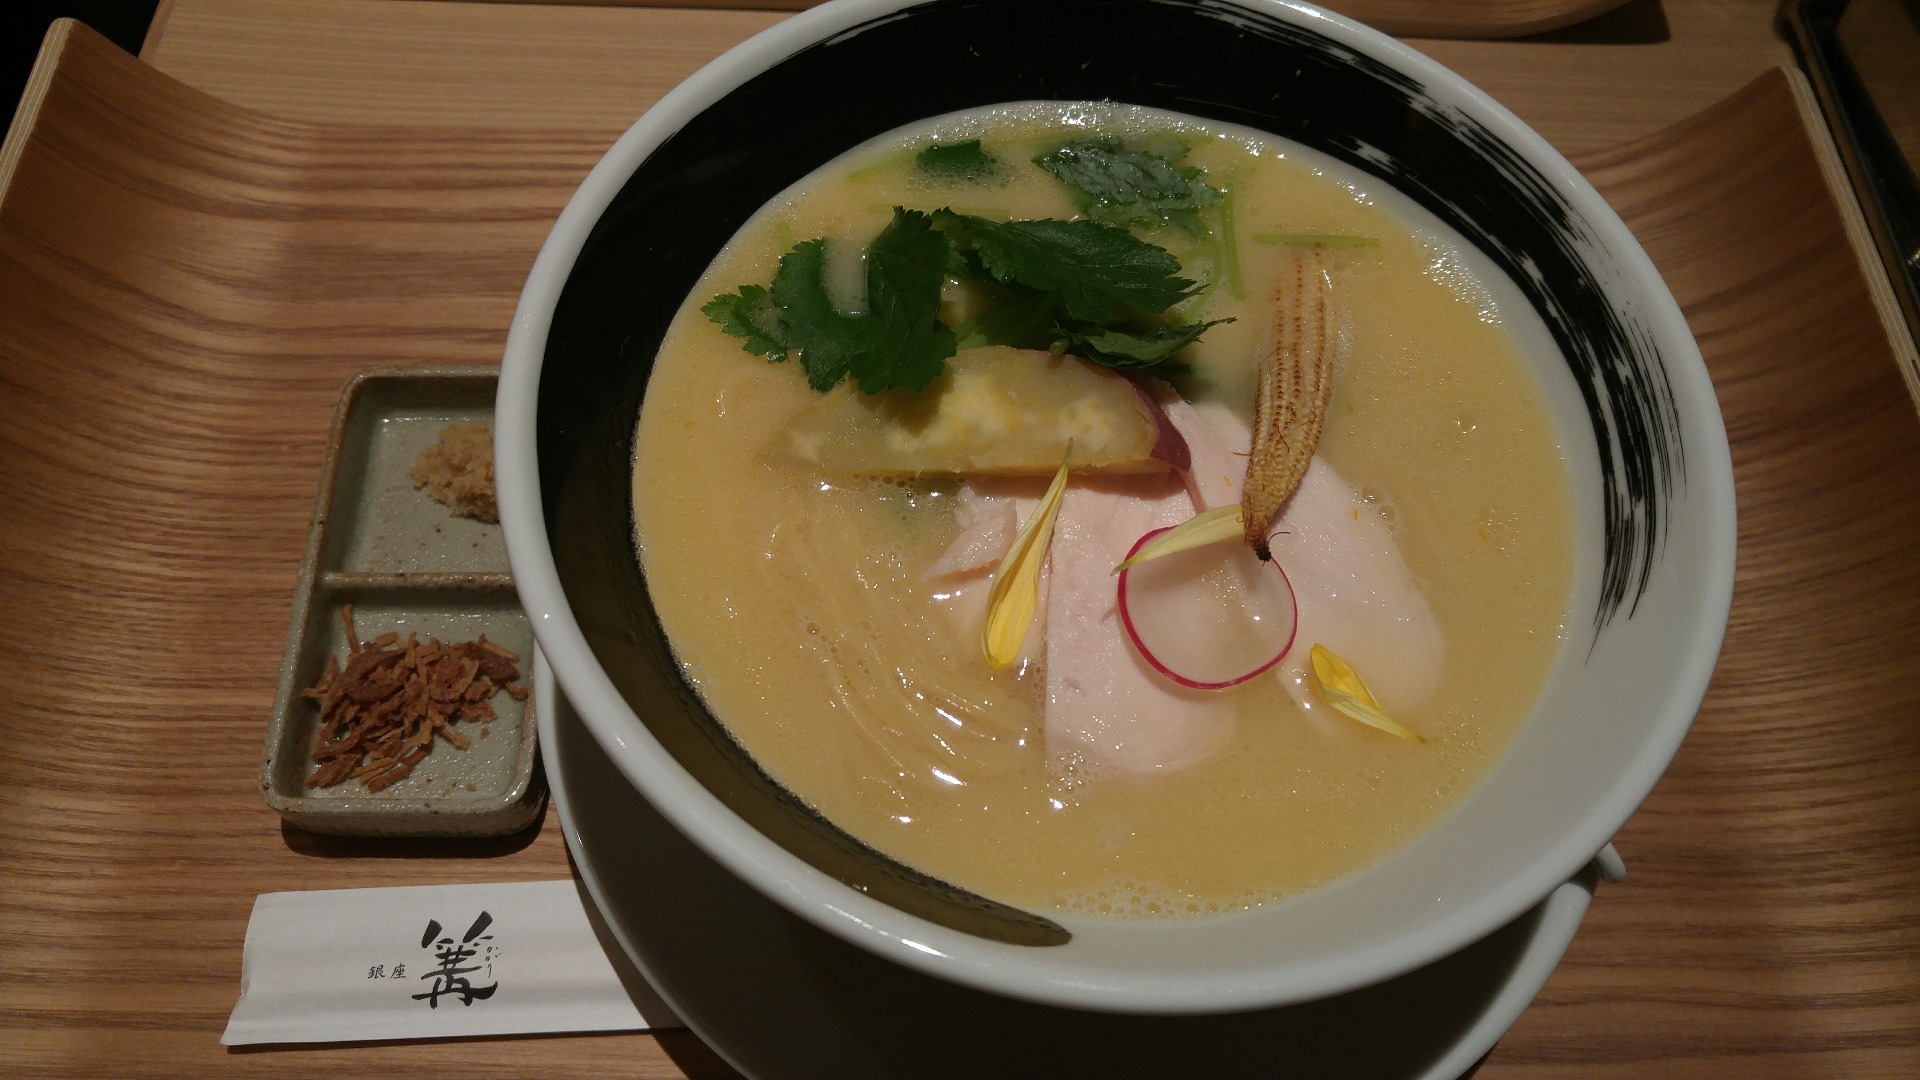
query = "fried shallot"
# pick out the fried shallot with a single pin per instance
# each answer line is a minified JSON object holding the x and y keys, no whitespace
{"x":379,"y":714}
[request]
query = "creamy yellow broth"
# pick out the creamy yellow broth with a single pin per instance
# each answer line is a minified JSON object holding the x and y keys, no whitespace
{"x":797,"y":604}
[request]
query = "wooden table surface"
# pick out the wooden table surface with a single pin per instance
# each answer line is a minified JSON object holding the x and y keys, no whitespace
{"x":186,"y":283}
{"x":596,"y":68}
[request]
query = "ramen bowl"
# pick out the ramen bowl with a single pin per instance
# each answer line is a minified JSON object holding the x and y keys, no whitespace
{"x":1623,"y":380}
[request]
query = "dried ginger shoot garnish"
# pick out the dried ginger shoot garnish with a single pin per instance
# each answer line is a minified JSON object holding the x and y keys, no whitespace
{"x":1015,"y":595}
{"x":1291,"y":388}
{"x":379,"y":714}
{"x":1347,"y":693}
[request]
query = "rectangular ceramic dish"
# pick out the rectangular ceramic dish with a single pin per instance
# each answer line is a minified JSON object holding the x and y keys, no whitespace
{"x":406,"y":565}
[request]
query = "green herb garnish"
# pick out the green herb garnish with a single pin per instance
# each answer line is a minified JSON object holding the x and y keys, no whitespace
{"x":750,"y":316}
{"x":1074,"y":286}
{"x":1226,"y":247}
{"x":1118,"y":186}
{"x":897,"y":343}
{"x":966,"y":161}
{"x":1126,"y":349}
{"x":1080,"y":286}
{"x":1095,"y":268}
{"x":1019,"y":317}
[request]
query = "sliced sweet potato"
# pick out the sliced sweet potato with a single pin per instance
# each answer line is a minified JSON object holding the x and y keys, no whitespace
{"x":997,"y":411}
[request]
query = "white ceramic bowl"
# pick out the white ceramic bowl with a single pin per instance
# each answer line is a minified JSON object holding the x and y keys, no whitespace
{"x":1631,"y":397}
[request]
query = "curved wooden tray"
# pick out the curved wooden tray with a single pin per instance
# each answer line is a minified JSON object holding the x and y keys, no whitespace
{"x":185,"y":286}
{"x":1406,"y":18}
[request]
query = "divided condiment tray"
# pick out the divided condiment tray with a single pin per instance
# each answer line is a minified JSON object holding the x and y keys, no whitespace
{"x":403,"y":563}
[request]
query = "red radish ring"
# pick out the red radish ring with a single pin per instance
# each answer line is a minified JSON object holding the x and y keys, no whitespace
{"x":1200,"y":616}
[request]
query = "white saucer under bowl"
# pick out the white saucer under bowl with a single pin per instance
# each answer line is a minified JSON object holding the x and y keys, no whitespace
{"x":779,"y":997}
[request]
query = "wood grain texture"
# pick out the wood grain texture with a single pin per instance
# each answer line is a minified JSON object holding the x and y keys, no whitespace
{"x":1767,"y":927}
{"x":185,"y":286}
{"x":1492,"y":20}
{"x":518,"y":66}
{"x":1588,"y":93}
{"x":508,"y":66}
{"x":1427,"y":18}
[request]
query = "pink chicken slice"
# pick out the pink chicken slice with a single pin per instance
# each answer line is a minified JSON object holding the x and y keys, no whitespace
{"x":987,"y":528}
{"x":991,"y":511}
{"x":1354,"y":592}
{"x":1107,"y":710}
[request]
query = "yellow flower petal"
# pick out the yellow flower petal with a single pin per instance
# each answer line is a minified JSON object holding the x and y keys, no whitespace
{"x":1344,"y":690}
{"x":1016,"y":582}
{"x":1213,"y":526}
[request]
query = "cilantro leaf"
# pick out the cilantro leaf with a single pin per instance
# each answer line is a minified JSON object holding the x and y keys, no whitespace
{"x":1124,"y":187}
{"x":1022,"y":318}
{"x":749,"y":315}
{"x":825,"y":337}
{"x":1095,"y":268}
{"x":1054,"y":285}
{"x":898,"y":342}
{"x":907,"y":266}
{"x":1118,"y":348}
{"x":966,"y":161}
